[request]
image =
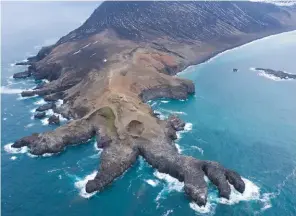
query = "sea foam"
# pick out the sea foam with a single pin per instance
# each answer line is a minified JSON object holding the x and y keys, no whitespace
{"x":44,"y":121}
{"x":9,"y":149}
{"x":81,"y":183}
{"x":13,"y":158}
{"x":5,"y":90}
{"x":252,"y":192}
{"x":151,"y":182}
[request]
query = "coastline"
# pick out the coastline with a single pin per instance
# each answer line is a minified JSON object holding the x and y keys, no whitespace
{"x":219,"y":53}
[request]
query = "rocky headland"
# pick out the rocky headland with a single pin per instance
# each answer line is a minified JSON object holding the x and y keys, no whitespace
{"x":125,"y":54}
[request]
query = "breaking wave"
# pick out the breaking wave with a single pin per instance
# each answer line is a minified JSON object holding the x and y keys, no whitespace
{"x":40,"y":102}
{"x":13,"y":158}
{"x":44,"y":121}
{"x":81,"y":183}
{"x":151,"y":182}
{"x":5,"y":90}
{"x":252,"y":193}
{"x":9,"y":149}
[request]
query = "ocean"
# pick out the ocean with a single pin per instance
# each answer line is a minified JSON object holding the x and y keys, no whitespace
{"x":244,"y":120}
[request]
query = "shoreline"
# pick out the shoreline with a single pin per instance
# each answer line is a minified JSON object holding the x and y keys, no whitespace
{"x":232,"y":48}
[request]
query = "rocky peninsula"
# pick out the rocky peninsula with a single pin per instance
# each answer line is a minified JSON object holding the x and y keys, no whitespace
{"x":125,"y":54}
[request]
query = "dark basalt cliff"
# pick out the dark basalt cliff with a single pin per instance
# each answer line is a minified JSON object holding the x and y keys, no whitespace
{"x":124,"y":55}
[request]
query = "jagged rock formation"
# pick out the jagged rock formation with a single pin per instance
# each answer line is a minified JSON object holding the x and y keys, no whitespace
{"x":54,"y":120}
{"x":124,"y":55}
{"x":45,"y":107}
{"x":40,"y":115}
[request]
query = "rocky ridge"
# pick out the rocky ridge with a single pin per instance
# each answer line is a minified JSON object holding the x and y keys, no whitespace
{"x":124,"y":55}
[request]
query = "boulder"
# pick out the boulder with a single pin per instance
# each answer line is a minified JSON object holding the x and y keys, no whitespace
{"x":54,"y":120}
{"x":28,"y":93}
{"x":45,"y":107}
{"x":39,"y":115}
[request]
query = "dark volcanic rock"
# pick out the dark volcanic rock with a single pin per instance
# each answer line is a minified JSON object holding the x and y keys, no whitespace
{"x":41,"y":54}
{"x":277,"y":73}
{"x":25,"y":141}
{"x":176,"y":122}
{"x":40,"y":115}
{"x":103,"y":141}
{"x":23,"y":63}
{"x":156,"y":19}
{"x":54,"y":96}
{"x":175,"y":92}
{"x":22,"y":75}
{"x":39,"y":85}
{"x":48,"y":71}
{"x":54,"y":120}
{"x":45,"y":107}
{"x":28,"y":93}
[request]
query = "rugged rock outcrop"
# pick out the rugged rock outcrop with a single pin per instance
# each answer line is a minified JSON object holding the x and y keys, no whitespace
{"x":123,"y":56}
{"x":40,"y":115}
{"x":54,"y":120}
{"x":22,"y":75}
{"x":45,"y":107}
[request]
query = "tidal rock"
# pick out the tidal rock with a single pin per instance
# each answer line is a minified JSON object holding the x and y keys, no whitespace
{"x":23,"y":63}
{"x":28,"y":93}
{"x":54,"y":120}
{"x":45,"y":107}
{"x":25,"y":141}
{"x":40,"y":115}
{"x":21,"y":75}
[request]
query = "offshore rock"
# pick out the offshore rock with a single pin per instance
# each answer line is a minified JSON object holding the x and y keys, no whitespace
{"x":277,"y":73}
{"x":45,"y":107}
{"x":21,"y":75}
{"x":40,"y":115}
{"x":28,"y":93}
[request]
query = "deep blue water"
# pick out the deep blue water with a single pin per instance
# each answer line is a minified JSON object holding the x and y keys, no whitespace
{"x":244,"y":121}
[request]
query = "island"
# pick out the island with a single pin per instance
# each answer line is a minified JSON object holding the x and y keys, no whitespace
{"x":277,"y":73}
{"x":127,"y":53}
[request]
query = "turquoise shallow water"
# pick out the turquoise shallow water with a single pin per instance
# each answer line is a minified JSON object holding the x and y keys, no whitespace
{"x":243,"y":120}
